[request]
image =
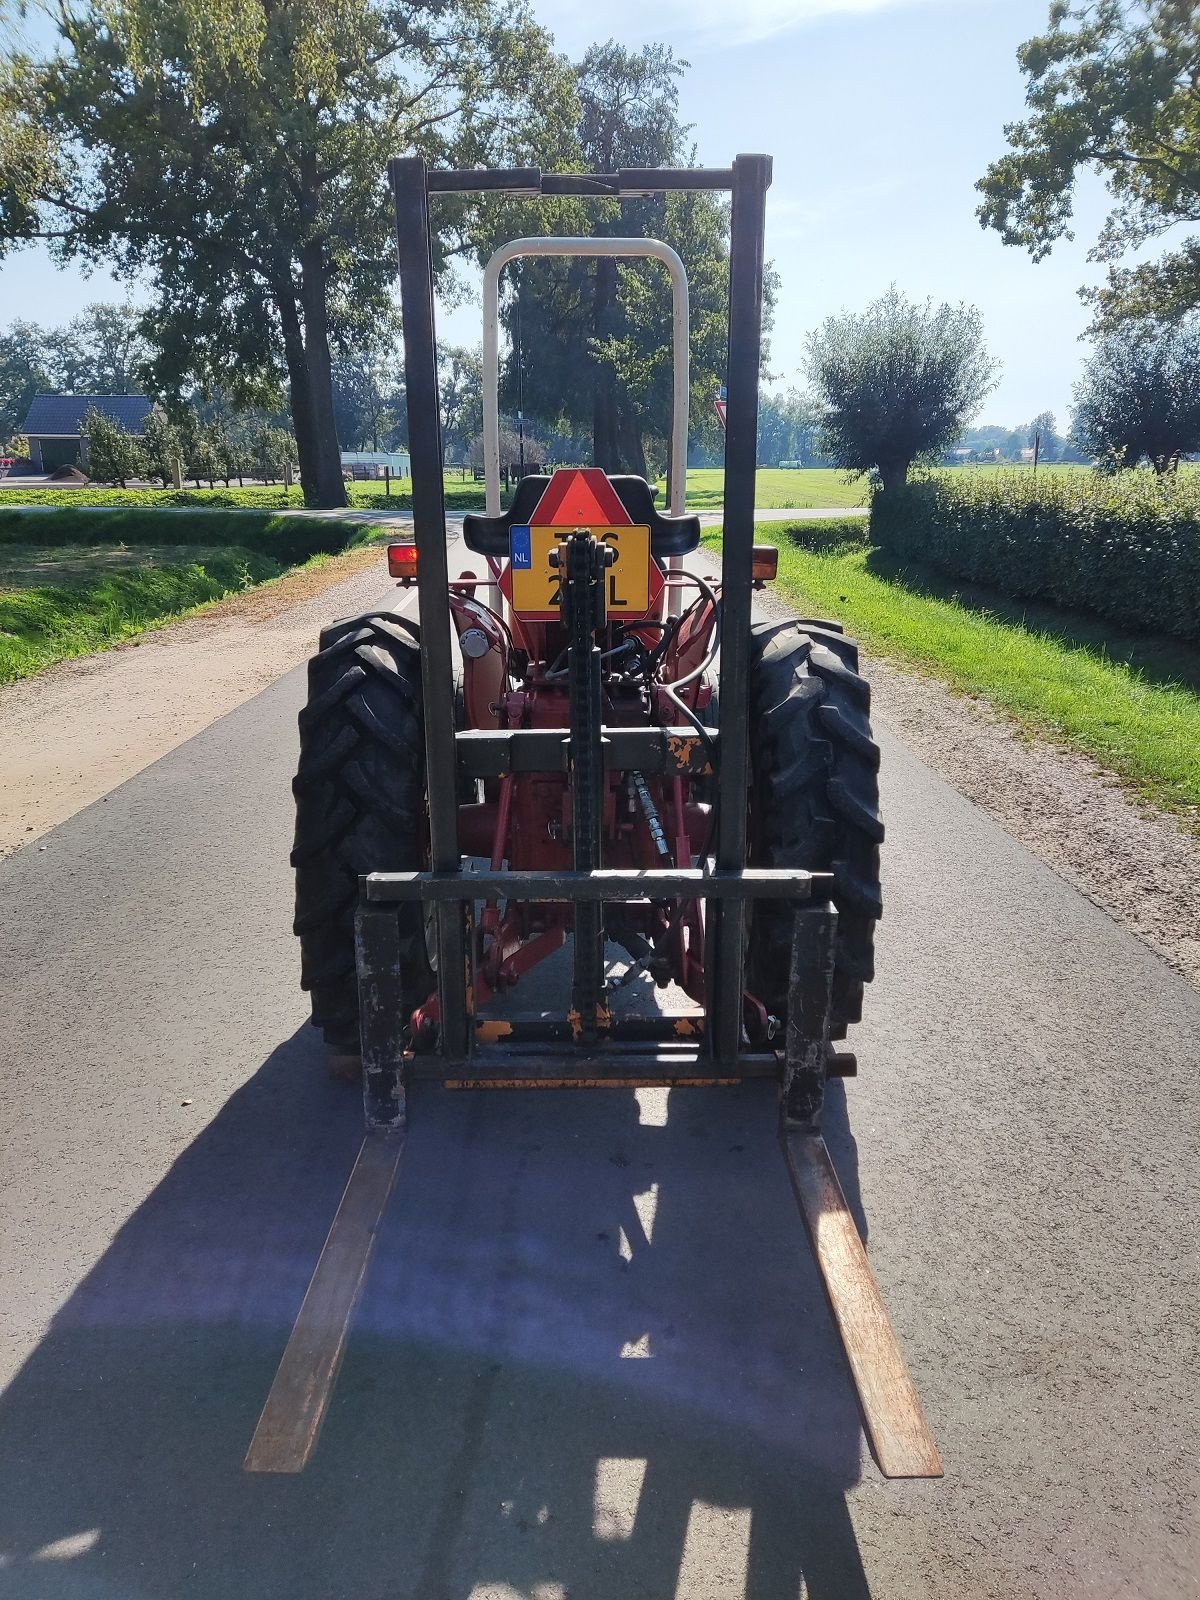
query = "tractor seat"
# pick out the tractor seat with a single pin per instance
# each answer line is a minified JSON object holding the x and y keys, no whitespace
{"x":669,"y":536}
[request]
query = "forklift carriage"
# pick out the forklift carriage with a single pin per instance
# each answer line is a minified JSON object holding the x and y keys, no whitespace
{"x":582,"y":748}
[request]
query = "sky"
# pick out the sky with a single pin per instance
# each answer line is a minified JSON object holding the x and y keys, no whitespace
{"x":880,"y":116}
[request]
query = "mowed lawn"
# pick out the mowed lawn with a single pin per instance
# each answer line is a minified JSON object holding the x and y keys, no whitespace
{"x":1130,"y":702}
{"x":778,"y":488}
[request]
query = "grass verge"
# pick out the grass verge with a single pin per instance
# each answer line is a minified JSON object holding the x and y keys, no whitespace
{"x":71,"y":597}
{"x":1131,"y":702}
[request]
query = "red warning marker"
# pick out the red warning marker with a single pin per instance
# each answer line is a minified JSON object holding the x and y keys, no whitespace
{"x":580,"y":497}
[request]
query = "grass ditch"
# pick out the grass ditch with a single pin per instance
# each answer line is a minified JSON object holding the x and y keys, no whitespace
{"x":1130,"y":701}
{"x":86,"y":583}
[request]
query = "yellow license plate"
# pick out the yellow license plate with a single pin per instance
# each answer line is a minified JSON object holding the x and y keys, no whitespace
{"x":535,"y":591}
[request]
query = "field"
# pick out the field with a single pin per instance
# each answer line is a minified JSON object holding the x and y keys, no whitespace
{"x":1129,"y":701}
{"x":817,"y":487}
{"x":60,"y":599}
{"x":777,"y":488}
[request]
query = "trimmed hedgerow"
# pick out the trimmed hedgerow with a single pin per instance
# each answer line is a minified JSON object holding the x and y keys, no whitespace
{"x":1126,"y":547}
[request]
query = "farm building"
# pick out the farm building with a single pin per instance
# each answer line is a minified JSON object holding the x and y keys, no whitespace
{"x":55,"y":422}
{"x":371,"y":463}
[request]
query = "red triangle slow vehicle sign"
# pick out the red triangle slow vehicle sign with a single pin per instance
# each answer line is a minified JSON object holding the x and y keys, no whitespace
{"x":580,"y":497}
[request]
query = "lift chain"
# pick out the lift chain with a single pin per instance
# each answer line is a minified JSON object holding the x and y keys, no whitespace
{"x":583,"y":610}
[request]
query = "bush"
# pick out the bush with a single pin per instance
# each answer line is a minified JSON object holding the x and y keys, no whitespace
{"x":1124,"y":547}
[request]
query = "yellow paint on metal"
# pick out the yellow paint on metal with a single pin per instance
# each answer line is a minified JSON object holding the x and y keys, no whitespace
{"x":491,"y":1029}
{"x":535,"y":587}
{"x":683,"y":753}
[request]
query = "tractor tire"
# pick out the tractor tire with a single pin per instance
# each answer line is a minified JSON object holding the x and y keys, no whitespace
{"x":360,"y":807}
{"x":814,"y":802}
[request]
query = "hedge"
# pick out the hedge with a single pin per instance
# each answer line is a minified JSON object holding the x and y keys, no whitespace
{"x":1125,"y":547}
{"x":288,"y":540}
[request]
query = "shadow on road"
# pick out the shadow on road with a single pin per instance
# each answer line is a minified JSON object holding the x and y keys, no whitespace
{"x":592,"y":1361}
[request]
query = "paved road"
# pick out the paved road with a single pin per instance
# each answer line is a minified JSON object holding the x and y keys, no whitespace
{"x":592,"y":1361}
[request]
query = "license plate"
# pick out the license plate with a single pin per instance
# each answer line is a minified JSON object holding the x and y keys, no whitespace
{"x":535,"y":583}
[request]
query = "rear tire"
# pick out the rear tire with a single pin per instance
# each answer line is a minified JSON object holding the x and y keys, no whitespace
{"x":360,"y":807}
{"x":814,"y":802}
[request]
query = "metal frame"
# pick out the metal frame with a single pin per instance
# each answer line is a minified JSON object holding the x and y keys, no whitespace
{"x":681,"y":390}
{"x":747,"y":181}
{"x":691,"y":1051}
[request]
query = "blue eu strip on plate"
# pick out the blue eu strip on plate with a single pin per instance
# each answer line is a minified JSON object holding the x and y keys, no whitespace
{"x":522,"y":548}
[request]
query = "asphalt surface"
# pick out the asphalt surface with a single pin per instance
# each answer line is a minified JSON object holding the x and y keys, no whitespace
{"x":592,"y":1361}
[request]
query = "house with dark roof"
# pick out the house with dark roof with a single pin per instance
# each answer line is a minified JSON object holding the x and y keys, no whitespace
{"x":54,"y":426}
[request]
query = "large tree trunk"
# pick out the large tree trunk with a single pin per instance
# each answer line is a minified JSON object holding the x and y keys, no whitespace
{"x":632,"y":451}
{"x":297,"y":365}
{"x":606,"y":452}
{"x":330,"y":490}
{"x":893,"y":474}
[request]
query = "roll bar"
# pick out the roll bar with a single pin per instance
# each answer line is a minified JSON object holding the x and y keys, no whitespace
{"x":681,"y":388}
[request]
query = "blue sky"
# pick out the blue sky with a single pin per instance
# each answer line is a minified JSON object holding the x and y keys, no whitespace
{"x":880,"y":115}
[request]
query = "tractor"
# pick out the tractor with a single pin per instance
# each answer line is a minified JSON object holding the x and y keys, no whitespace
{"x":586,"y":744}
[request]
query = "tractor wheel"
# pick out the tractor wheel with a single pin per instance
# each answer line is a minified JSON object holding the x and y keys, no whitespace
{"x":814,"y":802}
{"x":360,"y":807}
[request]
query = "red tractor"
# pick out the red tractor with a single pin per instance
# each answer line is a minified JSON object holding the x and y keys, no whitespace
{"x":552,"y":757}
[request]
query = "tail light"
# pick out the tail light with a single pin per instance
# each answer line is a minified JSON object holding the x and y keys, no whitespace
{"x":764,"y":563}
{"x":402,"y":562}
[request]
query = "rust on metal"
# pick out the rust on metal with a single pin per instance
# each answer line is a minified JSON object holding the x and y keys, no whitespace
{"x":491,"y":1029}
{"x":689,"y":754}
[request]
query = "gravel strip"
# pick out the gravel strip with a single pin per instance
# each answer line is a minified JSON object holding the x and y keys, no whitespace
{"x":1136,"y":863}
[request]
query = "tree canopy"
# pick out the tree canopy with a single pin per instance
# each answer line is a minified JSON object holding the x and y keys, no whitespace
{"x":1139,"y":397}
{"x":897,"y":381}
{"x":1112,"y":87}
{"x":101,"y":351}
{"x":594,"y":336}
{"x":235,"y":152}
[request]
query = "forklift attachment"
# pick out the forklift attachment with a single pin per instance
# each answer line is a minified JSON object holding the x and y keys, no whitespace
{"x":898,"y":1433}
{"x":555,"y":722}
{"x":287,"y":1430}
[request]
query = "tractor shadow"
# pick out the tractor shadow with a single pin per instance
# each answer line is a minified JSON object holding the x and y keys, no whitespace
{"x":593,"y":1360}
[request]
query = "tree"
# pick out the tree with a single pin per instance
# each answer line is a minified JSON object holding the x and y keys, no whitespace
{"x":594,"y":346}
{"x":1111,"y":87}
{"x":788,"y":429}
{"x":1042,"y":435}
{"x":23,"y":373}
{"x":1139,"y":397}
{"x":897,"y":381}
{"x":460,"y":377}
{"x":235,"y":151}
{"x":271,"y":452}
{"x":113,"y":455}
{"x":101,"y":351}
{"x":162,"y":447}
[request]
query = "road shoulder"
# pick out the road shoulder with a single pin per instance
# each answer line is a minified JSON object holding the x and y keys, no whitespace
{"x":71,"y":734}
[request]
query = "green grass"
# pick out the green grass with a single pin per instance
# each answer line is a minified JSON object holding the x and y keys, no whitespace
{"x":801,"y":488}
{"x":68,"y":597}
{"x":1131,"y":702}
{"x":816,"y":487}
{"x":461,"y":495}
